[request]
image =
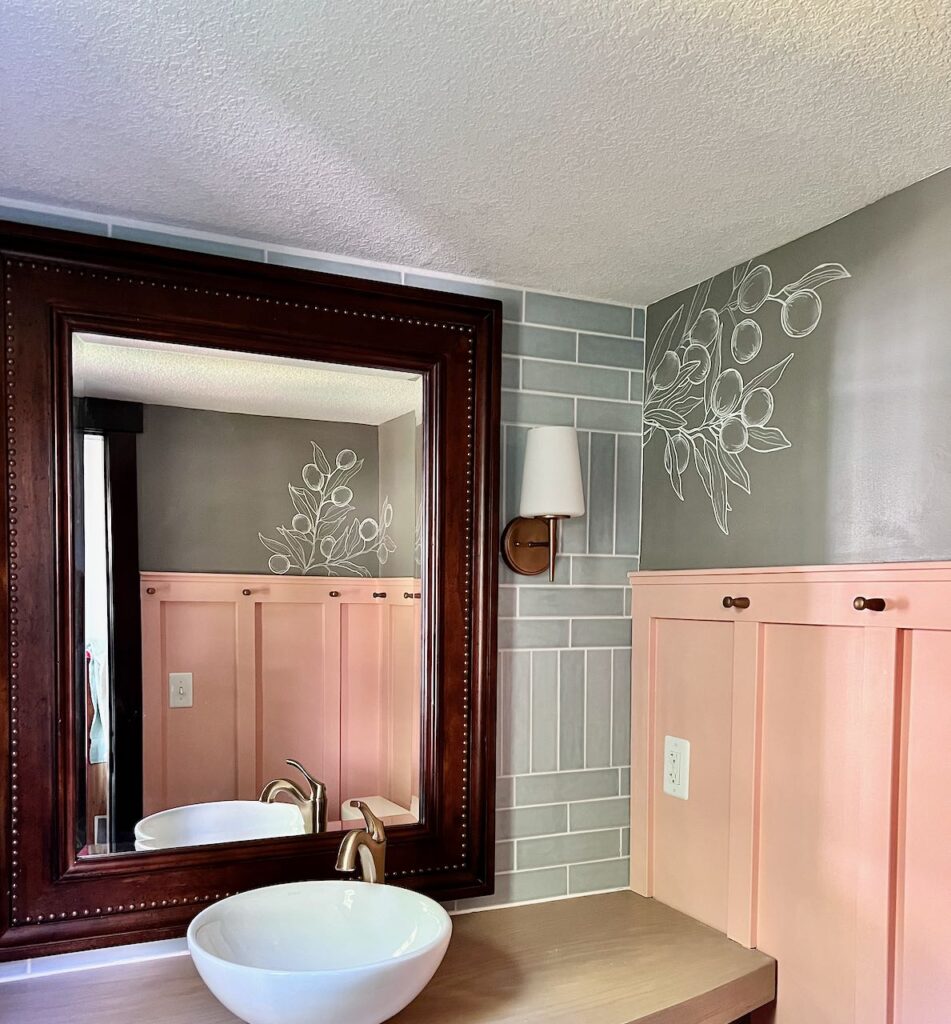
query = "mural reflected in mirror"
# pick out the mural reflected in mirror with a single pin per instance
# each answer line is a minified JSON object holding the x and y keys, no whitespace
{"x":250,"y":547}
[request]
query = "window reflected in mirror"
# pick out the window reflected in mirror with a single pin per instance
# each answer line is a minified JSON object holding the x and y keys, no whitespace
{"x":250,"y":543}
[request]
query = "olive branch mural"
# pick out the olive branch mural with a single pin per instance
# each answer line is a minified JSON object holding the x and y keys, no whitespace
{"x":326,"y":535}
{"x":705,"y":412}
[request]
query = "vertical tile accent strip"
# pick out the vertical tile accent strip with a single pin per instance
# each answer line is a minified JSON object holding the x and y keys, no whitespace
{"x":601,"y":501}
{"x":571,"y":710}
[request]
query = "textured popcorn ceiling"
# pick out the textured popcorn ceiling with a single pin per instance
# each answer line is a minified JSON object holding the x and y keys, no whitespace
{"x":612,"y":148}
{"x":160,"y":373}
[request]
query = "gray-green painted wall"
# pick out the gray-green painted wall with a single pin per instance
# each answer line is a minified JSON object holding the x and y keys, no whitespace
{"x":865,"y":403}
{"x":209,"y":481}
{"x":398,"y":472}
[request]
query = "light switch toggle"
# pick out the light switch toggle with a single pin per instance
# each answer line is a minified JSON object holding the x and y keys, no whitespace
{"x":676,"y":767}
{"x":179,"y":689}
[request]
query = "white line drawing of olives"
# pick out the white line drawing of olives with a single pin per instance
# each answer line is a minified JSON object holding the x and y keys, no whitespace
{"x":696,"y":353}
{"x":687,"y":378}
{"x":754,"y":289}
{"x":706,"y":327}
{"x":666,"y":372}
{"x":757,"y":407}
{"x":733,"y":435}
{"x":726,"y":392}
{"x":746,"y":340}
{"x":800,"y":313}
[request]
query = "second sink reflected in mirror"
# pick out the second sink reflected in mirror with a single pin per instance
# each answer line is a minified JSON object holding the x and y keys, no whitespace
{"x":250,"y":543}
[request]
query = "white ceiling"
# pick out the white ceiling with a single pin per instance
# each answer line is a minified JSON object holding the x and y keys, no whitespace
{"x":159,"y":373}
{"x":611,"y":148}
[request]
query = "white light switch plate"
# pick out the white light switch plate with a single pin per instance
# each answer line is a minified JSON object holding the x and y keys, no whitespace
{"x":180,"y":689}
{"x":676,"y":767}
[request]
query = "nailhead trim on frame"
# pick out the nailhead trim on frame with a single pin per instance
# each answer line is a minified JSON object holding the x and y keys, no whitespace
{"x":10,"y":378}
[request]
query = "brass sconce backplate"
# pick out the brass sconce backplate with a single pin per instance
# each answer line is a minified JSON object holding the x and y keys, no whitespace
{"x":525,"y":546}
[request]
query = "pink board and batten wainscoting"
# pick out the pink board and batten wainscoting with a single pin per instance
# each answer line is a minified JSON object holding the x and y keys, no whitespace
{"x":311,"y":668}
{"x":818,"y":824}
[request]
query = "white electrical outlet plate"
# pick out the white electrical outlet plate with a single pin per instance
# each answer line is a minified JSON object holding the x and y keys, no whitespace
{"x":180,"y":689}
{"x":676,"y":767}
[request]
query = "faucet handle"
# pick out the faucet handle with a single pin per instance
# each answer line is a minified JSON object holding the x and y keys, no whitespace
{"x":317,"y":788}
{"x":374,"y":824}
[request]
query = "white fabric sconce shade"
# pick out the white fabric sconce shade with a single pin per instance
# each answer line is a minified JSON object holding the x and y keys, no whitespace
{"x":551,"y":478}
{"x":551,"y":490}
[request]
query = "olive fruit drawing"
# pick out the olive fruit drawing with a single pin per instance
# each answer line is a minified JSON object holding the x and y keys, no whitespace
{"x":706,"y":327}
{"x":727,"y":392}
{"x":746,"y":340}
{"x":666,"y":373}
{"x":754,"y":289}
{"x":734,"y":435}
{"x":757,"y":407}
{"x":801,"y":312}
{"x":698,"y":354}
{"x":708,"y":412}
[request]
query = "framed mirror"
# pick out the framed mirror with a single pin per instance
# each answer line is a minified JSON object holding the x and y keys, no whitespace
{"x":251,"y":518}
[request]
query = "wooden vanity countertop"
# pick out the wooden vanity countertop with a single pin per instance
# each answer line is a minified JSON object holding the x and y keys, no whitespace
{"x":616,"y":958}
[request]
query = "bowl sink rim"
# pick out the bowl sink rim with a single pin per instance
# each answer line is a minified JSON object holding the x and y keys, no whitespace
{"x":189,"y":810}
{"x":196,"y":923}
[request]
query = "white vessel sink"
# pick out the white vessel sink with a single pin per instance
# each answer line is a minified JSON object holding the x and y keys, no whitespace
{"x":226,"y":821}
{"x":319,"y":952}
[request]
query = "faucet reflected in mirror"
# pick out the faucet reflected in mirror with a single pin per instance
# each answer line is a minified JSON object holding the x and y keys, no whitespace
{"x":365,"y":845}
{"x":312,"y":805}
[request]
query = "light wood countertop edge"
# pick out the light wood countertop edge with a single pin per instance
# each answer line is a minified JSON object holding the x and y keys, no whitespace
{"x":614,"y":958}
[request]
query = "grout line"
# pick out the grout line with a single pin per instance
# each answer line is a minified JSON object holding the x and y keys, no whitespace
{"x":503,"y":490}
{"x":587,"y":491}
{"x":595,"y":430}
{"x":611,"y":723}
{"x":562,"y":327}
{"x":577,"y":364}
{"x":584,"y":716}
{"x":570,"y":394}
{"x":561,"y":835}
{"x":558,"y":717}
{"x":614,"y":507}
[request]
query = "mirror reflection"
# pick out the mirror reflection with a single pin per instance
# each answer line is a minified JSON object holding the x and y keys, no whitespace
{"x":249,"y":537}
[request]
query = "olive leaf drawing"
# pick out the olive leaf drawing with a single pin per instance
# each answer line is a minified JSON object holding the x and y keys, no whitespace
{"x":698,"y":402}
{"x":326,"y":534}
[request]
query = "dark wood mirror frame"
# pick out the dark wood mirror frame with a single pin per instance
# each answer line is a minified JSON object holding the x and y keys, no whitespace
{"x":55,"y":283}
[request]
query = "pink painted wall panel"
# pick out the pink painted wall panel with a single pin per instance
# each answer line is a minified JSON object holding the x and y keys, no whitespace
{"x":197,"y":756}
{"x":923,"y":965}
{"x":809,"y":835}
{"x":694,"y":664}
{"x":402,"y":704}
{"x":362,"y":726}
{"x":297,"y":693}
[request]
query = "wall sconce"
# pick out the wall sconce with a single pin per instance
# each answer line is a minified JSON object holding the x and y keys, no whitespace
{"x":551,"y":490}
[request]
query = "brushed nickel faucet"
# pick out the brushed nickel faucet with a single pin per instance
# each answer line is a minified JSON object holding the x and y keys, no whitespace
{"x":312,"y":805}
{"x":368,"y":843}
